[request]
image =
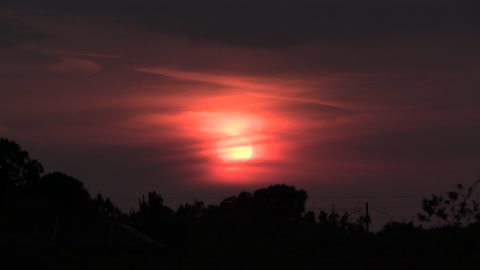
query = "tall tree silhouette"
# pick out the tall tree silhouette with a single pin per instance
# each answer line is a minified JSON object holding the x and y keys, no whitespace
{"x":153,"y":218}
{"x":16,"y":166}
{"x":153,"y":205}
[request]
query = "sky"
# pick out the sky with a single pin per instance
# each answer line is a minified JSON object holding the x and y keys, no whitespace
{"x":348,"y":100}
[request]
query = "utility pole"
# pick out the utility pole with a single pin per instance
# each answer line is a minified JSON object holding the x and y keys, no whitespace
{"x":367,"y":218}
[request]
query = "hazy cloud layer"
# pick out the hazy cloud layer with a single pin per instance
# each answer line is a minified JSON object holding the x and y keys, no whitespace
{"x":338,"y":97}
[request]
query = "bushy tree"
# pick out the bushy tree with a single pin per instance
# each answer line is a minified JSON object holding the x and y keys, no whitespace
{"x":16,"y":167}
{"x":280,"y":203}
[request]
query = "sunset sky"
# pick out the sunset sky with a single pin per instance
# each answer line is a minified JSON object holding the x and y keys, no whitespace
{"x":360,"y":100}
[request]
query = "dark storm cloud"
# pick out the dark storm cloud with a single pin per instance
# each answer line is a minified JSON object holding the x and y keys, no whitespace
{"x":279,"y":23}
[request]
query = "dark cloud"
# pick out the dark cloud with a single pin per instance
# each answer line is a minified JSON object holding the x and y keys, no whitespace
{"x":279,"y":23}
{"x":310,"y":111}
{"x":419,"y":146}
{"x":14,"y":32}
{"x":375,"y":91}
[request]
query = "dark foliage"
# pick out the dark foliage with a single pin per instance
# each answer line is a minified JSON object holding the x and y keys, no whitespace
{"x":16,"y":167}
{"x":455,"y":208}
{"x":51,"y":221}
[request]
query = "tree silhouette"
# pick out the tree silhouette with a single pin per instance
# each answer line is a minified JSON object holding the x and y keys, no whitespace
{"x":63,"y":192}
{"x":153,"y":205}
{"x":153,"y":218}
{"x":268,"y":228}
{"x":279,"y":203}
{"x":191,"y":212}
{"x":105,"y":207}
{"x":344,"y":222}
{"x":455,"y":208}
{"x":16,"y":167}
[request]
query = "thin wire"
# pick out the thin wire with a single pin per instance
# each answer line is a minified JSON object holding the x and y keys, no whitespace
{"x":316,"y":197}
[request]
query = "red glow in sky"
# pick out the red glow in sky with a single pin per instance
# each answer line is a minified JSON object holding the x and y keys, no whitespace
{"x":129,"y":103}
{"x":235,"y":148}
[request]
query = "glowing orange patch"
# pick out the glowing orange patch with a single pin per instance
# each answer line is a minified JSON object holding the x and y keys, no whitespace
{"x":234,"y":149}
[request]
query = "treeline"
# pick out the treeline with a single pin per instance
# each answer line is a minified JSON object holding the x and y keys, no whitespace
{"x":51,"y":220}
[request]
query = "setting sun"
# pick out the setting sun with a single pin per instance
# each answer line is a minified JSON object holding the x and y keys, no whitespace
{"x":233,"y":149}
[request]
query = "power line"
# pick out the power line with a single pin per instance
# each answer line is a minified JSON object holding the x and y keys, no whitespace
{"x":315,"y":197}
{"x":367,"y":197}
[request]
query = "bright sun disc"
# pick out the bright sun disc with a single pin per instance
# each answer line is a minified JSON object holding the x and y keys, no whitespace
{"x":235,"y":148}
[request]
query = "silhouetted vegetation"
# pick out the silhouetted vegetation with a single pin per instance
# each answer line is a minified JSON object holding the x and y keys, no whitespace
{"x":456,"y":208}
{"x":51,"y":221}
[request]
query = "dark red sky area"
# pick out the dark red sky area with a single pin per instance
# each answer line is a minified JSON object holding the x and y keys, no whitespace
{"x":369,"y":100}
